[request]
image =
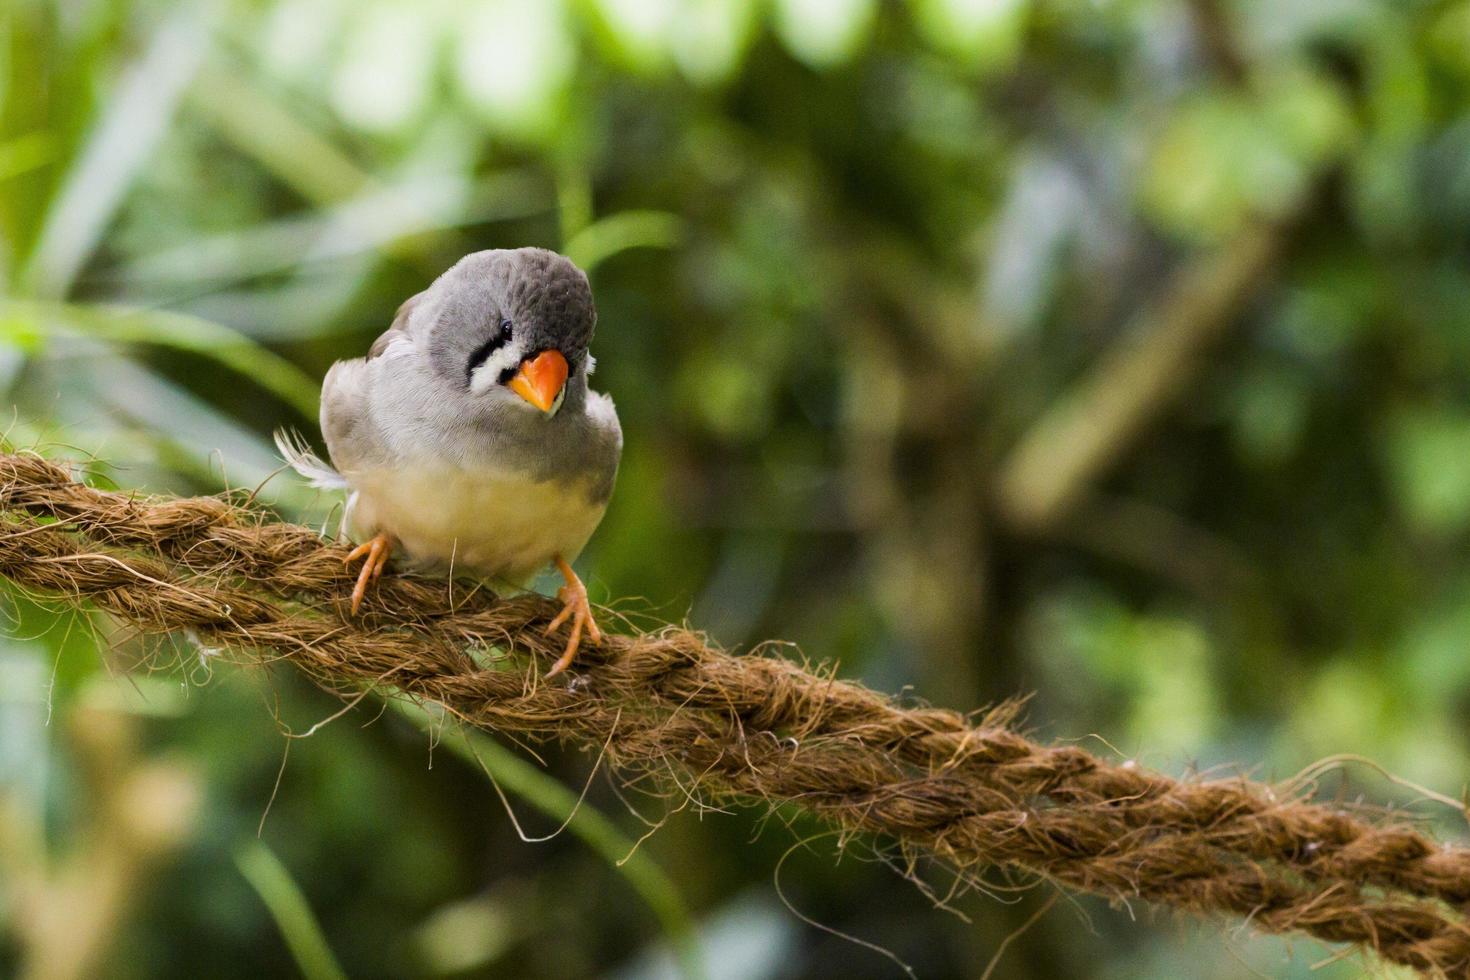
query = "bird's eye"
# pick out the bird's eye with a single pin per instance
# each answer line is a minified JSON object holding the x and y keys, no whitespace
{"x":483,"y":353}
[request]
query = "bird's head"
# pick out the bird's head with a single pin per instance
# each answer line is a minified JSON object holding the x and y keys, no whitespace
{"x":513,"y":324}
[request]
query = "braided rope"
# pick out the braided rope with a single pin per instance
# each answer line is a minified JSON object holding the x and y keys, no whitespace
{"x":752,"y":727}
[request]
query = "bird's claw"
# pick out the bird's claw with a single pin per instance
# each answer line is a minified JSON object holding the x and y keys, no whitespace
{"x":576,"y":608}
{"x":376,"y":549}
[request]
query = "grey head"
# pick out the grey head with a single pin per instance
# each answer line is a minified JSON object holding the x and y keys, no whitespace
{"x":509,"y":325}
{"x":488,"y":365}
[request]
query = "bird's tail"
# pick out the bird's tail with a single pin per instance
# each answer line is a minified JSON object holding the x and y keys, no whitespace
{"x":299,"y":456}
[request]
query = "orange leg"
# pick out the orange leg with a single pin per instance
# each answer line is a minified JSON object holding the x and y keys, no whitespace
{"x":578,"y":610}
{"x":377,"y":548}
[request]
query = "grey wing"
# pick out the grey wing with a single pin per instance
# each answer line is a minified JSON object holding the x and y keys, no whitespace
{"x":398,"y":328}
{"x":352,"y":434}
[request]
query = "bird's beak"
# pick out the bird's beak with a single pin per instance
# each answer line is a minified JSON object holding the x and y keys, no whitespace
{"x":540,"y":379}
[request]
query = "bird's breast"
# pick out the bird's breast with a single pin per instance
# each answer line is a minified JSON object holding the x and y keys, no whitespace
{"x":497,"y":524}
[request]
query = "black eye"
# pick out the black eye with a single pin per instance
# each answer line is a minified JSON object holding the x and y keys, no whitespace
{"x":504,"y":330}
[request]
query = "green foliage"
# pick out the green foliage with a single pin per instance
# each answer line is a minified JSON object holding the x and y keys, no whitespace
{"x":848,"y":255}
{"x":270,"y":879}
{"x":1227,"y":156}
{"x":510,"y":772}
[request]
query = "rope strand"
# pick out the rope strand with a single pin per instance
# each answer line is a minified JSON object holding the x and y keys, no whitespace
{"x":668,"y":704}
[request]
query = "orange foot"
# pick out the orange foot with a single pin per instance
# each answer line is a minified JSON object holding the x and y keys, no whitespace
{"x":377,"y":549}
{"x":579,"y":610}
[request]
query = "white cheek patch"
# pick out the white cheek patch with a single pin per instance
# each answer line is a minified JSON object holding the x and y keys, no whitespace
{"x":487,"y":375}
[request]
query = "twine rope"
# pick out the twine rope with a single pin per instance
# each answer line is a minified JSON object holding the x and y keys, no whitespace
{"x":971,"y":791}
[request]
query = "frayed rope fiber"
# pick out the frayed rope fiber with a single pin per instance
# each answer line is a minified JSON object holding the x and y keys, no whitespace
{"x":972,"y":792}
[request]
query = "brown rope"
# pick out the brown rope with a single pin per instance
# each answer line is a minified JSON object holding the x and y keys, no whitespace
{"x":752,"y":727}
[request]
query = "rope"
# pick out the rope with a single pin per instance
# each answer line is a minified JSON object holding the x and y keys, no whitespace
{"x":970,"y":791}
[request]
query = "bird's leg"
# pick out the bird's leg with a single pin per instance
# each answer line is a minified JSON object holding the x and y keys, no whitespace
{"x":377,"y":548}
{"x":578,"y":610}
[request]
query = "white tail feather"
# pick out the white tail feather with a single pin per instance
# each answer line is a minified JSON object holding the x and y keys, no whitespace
{"x":299,"y":456}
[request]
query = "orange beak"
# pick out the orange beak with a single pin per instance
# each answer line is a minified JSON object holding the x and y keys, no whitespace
{"x":540,"y":379}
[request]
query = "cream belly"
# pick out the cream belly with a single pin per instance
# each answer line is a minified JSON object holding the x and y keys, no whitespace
{"x":498,"y":525}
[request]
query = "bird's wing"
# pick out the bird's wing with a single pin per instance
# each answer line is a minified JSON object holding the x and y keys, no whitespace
{"x":348,"y":424}
{"x":352,"y":424}
{"x":398,"y":329}
{"x":345,"y":421}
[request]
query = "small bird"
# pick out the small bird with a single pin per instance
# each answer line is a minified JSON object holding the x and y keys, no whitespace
{"x":467,"y":438}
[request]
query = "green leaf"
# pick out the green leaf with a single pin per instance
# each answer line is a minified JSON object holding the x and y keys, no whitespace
{"x":1228,"y":156}
{"x":824,"y":33}
{"x":1429,"y":463}
{"x":510,"y":772}
{"x":514,"y":63}
{"x":619,"y":232}
{"x":983,"y":33}
{"x":22,"y":322}
{"x":288,"y":907}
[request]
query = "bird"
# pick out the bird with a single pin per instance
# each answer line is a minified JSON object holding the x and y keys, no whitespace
{"x":468,"y":439}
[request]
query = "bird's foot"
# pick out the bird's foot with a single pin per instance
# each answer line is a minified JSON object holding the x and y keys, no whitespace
{"x":376,"y":549}
{"x":578,"y":610}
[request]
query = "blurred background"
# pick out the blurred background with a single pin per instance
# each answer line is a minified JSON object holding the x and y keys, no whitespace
{"x":1112,"y":350}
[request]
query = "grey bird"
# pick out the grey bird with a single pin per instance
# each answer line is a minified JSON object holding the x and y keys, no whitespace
{"x":467,"y":438}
